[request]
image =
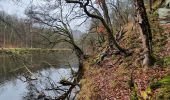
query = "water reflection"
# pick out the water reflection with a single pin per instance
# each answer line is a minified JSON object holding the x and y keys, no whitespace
{"x":13,"y":90}
{"x":48,"y":69}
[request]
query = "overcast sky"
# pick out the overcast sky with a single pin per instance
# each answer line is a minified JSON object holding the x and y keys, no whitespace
{"x":14,"y":8}
{"x":18,"y":9}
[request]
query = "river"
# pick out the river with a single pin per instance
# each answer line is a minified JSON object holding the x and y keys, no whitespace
{"x":29,"y":75}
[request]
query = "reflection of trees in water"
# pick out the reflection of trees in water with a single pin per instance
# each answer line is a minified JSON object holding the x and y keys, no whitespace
{"x":14,"y":65}
{"x":47,"y":88}
{"x":29,"y":67}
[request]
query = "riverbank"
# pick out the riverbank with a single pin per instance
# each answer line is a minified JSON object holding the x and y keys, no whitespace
{"x":31,"y":50}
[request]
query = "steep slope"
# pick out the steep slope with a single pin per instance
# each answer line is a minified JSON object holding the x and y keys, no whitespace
{"x":123,"y":78}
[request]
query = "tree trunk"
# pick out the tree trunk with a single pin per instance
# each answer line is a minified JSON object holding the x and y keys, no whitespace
{"x":79,"y":74}
{"x":150,"y":6}
{"x":111,"y":38}
{"x":107,"y":19}
{"x":105,"y":23}
{"x":145,"y":32}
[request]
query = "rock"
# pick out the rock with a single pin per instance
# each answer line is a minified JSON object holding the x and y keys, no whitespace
{"x":164,"y":13}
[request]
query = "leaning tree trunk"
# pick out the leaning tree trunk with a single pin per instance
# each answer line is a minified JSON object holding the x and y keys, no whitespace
{"x":111,"y":38}
{"x":107,"y":19}
{"x":79,"y":53}
{"x":145,"y":32}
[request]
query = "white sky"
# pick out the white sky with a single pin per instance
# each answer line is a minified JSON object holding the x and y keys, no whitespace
{"x":18,"y":9}
{"x":14,"y":8}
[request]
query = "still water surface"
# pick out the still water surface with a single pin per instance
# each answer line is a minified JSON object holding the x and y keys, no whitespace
{"x":48,"y":69}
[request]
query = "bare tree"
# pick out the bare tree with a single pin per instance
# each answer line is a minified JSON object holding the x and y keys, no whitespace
{"x":104,"y":20}
{"x":122,"y":12}
{"x":53,"y":17}
{"x":57,"y":22}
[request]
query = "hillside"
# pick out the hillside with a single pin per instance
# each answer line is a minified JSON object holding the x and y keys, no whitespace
{"x":123,"y":78}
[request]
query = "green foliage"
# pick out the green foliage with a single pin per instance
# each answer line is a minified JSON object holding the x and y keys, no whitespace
{"x":164,"y":89}
{"x":155,"y":85}
{"x":163,"y":94}
{"x":161,"y":83}
{"x":165,"y":61}
{"x":165,"y":80}
{"x":134,"y":95}
{"x":146,"y":94}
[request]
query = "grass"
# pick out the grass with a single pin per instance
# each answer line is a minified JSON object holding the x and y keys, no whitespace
{"x":161,"y":83}
{"x":87,"y":89}
{"x":163,"y":88}
{"x":33,"y":49}
{"x":30,"y":50}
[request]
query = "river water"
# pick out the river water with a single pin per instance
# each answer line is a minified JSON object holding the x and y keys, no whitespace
{"x":27,"y":76}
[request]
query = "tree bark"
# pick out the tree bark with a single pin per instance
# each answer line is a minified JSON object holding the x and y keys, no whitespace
{"x":145,"y":32}
{"x":80,"y":54}
{"x":107,"y":19}
{"x":111,"y":38}
{"x":150,"y":6}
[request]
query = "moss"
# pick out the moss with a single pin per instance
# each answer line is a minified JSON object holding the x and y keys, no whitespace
{"x":165,"y":80}
{"x":155,"y":85}
{"x":113,"y":84}
{"x":163,"y":89}
{"x":134,"y":95}
{"x":166,"y":60}
{"x":161,"y":83}
{"x":87,"y":90}
{"x":163,"y":94}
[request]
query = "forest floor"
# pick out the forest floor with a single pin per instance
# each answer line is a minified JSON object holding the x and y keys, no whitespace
{"x":123,"y":78}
